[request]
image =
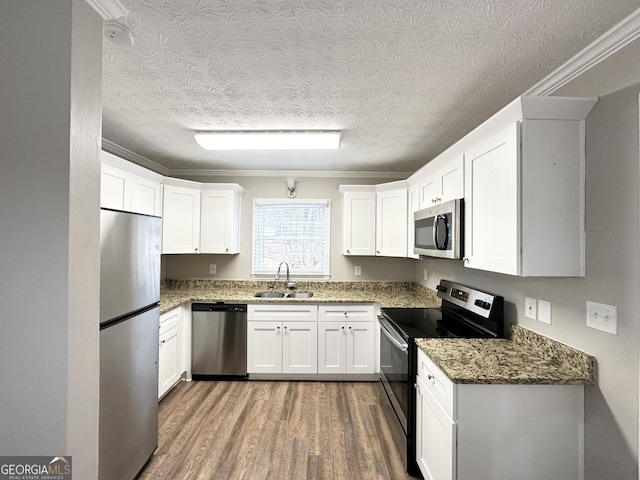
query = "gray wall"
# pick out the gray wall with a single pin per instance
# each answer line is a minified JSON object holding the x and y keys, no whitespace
{"x":612,"y":219}
{"x":238,"y":267}
{"x":49,"y":241}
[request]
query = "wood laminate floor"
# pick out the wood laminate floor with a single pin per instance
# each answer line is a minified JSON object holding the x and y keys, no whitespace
{"x":273,"y":430}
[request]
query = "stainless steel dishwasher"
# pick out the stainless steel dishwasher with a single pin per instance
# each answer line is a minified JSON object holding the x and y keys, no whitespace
{"x":219,"y":339}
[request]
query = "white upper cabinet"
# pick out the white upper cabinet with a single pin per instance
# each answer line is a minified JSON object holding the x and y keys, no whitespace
{"x":524,"y":193}
{"x":146,"y":196}
{"x":374,"y":219}
{"x":181,"y":220}
{"x":446,"y":183}
{"x":220,"y":218}
{"x":391,"y":223}
{"x":358,"y":220}
{"x":112,"y":188}
{"x":129,"y":187}
{"x":201,"y":218}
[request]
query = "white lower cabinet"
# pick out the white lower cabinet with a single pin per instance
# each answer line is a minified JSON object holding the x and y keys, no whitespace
{"x":497,"y":432}
{"x":346,"y":339}
{"x":436,"y":435}
{"x":282,"y":339}
{"x":171,"y":358}
{"x":310,"y":339}
{"x":299,"y":347}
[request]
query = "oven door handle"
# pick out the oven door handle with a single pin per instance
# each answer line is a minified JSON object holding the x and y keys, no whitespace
{"x":402,"y":346}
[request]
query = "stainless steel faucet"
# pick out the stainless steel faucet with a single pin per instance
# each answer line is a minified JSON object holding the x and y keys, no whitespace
{"x":289,"y":285}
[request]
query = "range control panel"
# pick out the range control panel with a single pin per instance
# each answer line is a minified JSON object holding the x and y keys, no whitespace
{"x":474,"y":300}
{"x":459,"y":294}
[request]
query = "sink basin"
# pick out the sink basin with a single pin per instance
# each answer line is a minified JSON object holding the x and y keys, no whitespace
{"x":299,"y":295}
{"x":284,"y":295}
{"x":269,"y":294}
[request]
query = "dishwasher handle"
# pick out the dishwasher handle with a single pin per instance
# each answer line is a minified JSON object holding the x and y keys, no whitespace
{"x":218,"y":307}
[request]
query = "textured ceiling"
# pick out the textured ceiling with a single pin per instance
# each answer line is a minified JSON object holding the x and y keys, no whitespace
{"x":403,"y":80}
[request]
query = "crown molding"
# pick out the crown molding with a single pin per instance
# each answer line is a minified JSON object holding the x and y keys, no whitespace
{"x":117,"y":150}
{"x":126,"y":154}
{"x":108,"y":9}
{"x":285,"y":173}
{"x":618,"y":37}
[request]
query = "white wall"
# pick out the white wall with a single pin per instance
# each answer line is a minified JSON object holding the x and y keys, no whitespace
{"x":49,"y":241}
{"x":238,"y":267}
{"x":612,"y":229}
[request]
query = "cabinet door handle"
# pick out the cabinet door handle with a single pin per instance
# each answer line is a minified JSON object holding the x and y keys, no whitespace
{"x":345,"y":314}
{"x":431,"y":378}
{"x":348,"y":251}
{"x":196,"y":249}
{"x":342,"y":327}
{"x":377,"y":251}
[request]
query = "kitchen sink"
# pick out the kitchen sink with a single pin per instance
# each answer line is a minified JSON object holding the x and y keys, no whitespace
{"x":284,"y":295}
{"x":269,"y":294}
{"x":299,"y":295}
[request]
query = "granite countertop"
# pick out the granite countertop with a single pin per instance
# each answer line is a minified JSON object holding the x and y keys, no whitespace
{"x":526,"y":358}
{"x":174,"y":293}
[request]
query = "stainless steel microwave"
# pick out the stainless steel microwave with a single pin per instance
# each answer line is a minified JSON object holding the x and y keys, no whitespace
{"x":438,"y":230}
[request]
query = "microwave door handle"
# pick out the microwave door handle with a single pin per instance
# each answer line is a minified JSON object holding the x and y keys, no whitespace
{"x":435,"y":232}
{"x":436,"y":223}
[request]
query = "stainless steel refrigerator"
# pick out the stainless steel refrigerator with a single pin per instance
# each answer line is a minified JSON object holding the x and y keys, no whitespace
{"x":129,"y":322}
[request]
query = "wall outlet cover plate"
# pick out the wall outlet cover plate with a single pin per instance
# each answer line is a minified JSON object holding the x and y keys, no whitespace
{"x":602,"y":317}
{"x":530,"y":308}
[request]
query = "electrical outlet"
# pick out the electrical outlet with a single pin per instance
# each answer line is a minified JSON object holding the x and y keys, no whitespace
{"x":358,"y":270}
{"x":544,"y":311}
{"x":602,"y":317}
{"x":425,"y":274}
{"x":530,"y":307}
{"x":212,"y":269}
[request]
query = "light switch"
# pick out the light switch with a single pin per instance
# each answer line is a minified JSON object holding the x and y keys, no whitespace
{"x":212,"y":269}
{"x":544,"y":311}
{"x":358,"y":270}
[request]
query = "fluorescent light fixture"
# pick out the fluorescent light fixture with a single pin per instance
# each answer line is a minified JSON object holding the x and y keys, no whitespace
{"x":269,"y":140}
{"x":108,"y":9}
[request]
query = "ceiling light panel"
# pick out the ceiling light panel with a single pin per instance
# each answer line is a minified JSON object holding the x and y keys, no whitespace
{"x":268,"y":140}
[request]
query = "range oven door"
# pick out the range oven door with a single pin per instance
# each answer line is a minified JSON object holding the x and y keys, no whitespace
{"x":394,"y":370}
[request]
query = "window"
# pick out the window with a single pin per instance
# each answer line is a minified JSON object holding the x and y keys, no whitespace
{"x":294,"y":231}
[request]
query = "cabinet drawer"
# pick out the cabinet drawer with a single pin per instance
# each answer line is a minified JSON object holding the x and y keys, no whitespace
{"x":352,"y":313}
{"x":169,"y":320}
{"x":437,"y":383}
{"x":280,"y":313}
